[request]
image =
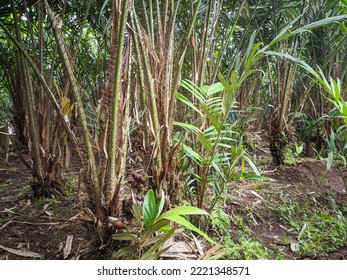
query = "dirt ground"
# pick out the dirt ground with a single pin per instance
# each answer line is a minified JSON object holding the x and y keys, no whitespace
{"x":32,"y":228}
{"x":51,"y":229}
{"x":306,"y":184}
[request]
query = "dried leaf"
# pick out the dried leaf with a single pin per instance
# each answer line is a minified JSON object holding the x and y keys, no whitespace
{"x":198,"y":245}
{"x":214,"y":253}
{"x":149,"y":46}
{"x":21,"y":253}
{"x":294,"y":246}
{"x":9,"y":210}
{"x":74,"y":217}
{"x":61,"y":246}
{"x":256,"y":194}
{"x":302,"y":230}
{"x":5,"y":225}
{"x":87,"y":215}
{"x":28,"y":203}
{"x":68,"y":245}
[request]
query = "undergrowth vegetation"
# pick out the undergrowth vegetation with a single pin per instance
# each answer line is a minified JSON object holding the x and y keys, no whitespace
{"x":155,"y":112}
{"x":317,"y":224}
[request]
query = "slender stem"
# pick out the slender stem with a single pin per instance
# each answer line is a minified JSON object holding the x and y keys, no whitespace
{"x":154,"y":109}
{"x":142,"y":90}
{"x":46,"y":87}
{"x":56,"y":26}
{"x":113,"y":186}
{"x":30,"y":106}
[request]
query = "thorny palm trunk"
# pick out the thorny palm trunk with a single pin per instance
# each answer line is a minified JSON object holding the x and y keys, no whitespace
{"x":56,"y":26}
{"x":114,"y":178}
{"x":117,"y":101}
{"x":278,"y":130}
{"x":31,"y":113}
{"x":64,"y":120}
{"x":160,"y":62}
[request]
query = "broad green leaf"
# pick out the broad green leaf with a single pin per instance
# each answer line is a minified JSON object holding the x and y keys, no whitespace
{"x":218,"y":170}
{"x":157,"y":226}
{"x":125,"y":251}
{"x":226,"y":102}
{"x":251,"y":163}
{"x":250,"y":46}
{"x":212,"y":118}
{"x":194,"y":89}
{"x":157,"y":238}
{"x":253,"y":59}
{"x":189,"y":127}
{"x":127,"y":236}
{"x":193,"y":154}
{"x":330,"y":160}
{"x":246,"y":74}
{"x":182,"y":210}
{"x":150,"y":209}
{"x":326,"y":217}
{"x":239,"y":149}
{"x":234,"y":81}
{"x":156,"y":255}
{"x":188,"y":103}
{"x":319,"y":23}
{"x":160,"y":242}
{"x":161,"y":203}
{"x":299,"y":149}
{"x":183,"y":222}
{"x":212,"y":89}
{"x":236,"y":150}
{"x":207,"y":145}
{"x":335,"y":89}
{"x":297,"y":61}
{"x":227,"y":86}
{"x":323,"y":81}
{"x":235,"y":161}
{"x":283,"y":34}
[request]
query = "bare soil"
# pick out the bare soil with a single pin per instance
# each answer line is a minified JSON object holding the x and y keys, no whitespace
{"x":51,"y":229}
{"x":306,"y":183}
{"x":39,"y":228}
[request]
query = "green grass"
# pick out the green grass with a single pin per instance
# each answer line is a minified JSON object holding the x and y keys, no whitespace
{"x":241,"y":245}
{"x":316,"y":224}
{"x":319,"y":223}
{"x":245,"y":248}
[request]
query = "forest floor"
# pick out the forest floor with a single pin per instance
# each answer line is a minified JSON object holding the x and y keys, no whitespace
{"x":300,"y":213}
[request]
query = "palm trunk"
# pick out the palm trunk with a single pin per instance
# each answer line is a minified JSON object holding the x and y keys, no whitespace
{"x":113,"y":184}
{"x":56,"y":26}
{"x":39,"y":169}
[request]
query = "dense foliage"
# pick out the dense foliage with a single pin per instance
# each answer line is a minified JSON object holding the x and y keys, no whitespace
{"x":167,"y":95}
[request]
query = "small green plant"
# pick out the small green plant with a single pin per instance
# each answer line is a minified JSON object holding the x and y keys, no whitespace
{"x":215,"y":144}
{"x":54,"y":200}
{"x":220,"y":221}
{"x":298,"y":149}
{"x":241,"y":244}
{"x":291,"y":156}
{"x":245,"y":249}
{"x":240,"y":224}
{"x":154,"y":228}
{"x":319,"y":227}
{"x":70,"y":185}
